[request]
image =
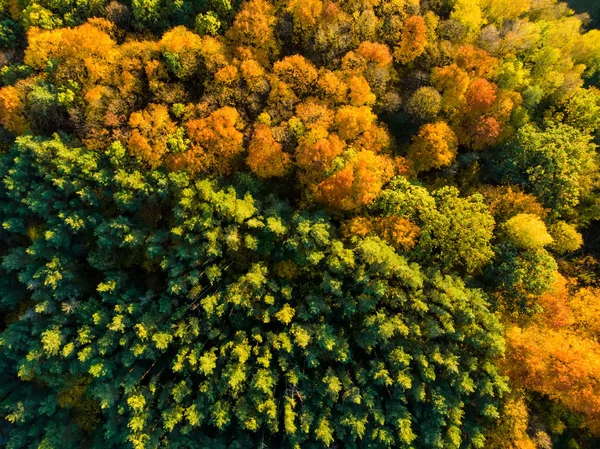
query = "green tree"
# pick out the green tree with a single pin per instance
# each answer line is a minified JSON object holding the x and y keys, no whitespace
{"x":190,"y":314}
{"x":557,"y":164}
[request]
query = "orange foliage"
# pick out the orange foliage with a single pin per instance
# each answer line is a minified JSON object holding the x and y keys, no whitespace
{"x":585,"y":308}
{"x":298,"y":72}
{"x":556,"y":313}
{"x":506,"y":202}
{"x":265,"y":157}
{"x":558,"y":363}
{"x":413,"y":40}
{"x":481,"y":95}
{"x":151,"y":130}
{"x":435,"y":146}
{"x":375,"y":139}
{"x":316,"y":151}
{"x":226,"y":75}
{"x":217,"y":138}
{"x":357,"y":183}
{"x":558,"y":352}
{"x":486,"y":133}
{"x":314,"y":114}
{"x":252,"y":32}
{"x":360,"y":91}
{"x":375,"y":53}
{"x":476,"y":62}
{"x":360,"y":226}
{"x":12,"y":107}
{"x":399,"y":232}
{"x":352,"y":121}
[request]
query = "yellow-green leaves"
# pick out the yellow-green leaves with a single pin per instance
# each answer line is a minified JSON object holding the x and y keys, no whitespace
{"x":527,"y":231}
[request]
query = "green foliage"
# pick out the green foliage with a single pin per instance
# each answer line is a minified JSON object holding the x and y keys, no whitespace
{"x":10,"y":34}
{"x":521,"y":276}
{"x":166,"y":276}
{"x":455,"y":232}
{"x":566,"y":238}
{"x":557,"y":164}
{"x":202,"y":315}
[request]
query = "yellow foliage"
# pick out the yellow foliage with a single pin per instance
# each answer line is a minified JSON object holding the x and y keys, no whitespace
{"x":298,"y":72}
{"x":86,"y":47}
{"x":413,"y":40}
{"x":251,"y":34}
{"x":453,"y":82}
{"x":360,"y":92}
{"x":527,"y":231}
{"x":434,"y":147}
{"x":352,"y":121}
{"x":331,"y":87}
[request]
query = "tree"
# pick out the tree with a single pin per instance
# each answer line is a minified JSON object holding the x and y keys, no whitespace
{"x":425,"y":103}
{"x":12,"y":108}
{"x":480,"y":96}
{"x":316,"y":151}
{"x":214,"y":317}
{"x":150,"y":134}
{"x":527,"y":231}
{"x":453,"y":82}
{"x":556,"y":164}
{"x":455,"y":233}
{"x":358,"y":183}
{"x":181,"y":51}
{"x":413,"y":40}
{"x":252,"y":33}
{"x":469,"y":14}
{"x":351,"y":121}
{"x":297,"y":72}
{"x":265,"y":157}
{"x":216,"y":141}
{"x":434,"y":147}
{"x":565,"y":236}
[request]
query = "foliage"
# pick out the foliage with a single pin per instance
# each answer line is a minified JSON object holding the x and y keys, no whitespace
{"x":192,"y":313}
{"x":298,"y":224}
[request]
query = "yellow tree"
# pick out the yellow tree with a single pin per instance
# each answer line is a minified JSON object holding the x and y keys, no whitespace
{"x":413,"y":40}
{"x":434,"y":147}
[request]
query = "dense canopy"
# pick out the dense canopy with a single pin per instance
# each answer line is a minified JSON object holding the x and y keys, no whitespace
{"x":299,"y":224}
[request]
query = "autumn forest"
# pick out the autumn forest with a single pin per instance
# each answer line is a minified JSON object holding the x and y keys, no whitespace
{"x":299,"y":224}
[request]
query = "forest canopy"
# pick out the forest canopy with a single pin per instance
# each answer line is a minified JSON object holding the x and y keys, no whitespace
{"x":299,"y":224}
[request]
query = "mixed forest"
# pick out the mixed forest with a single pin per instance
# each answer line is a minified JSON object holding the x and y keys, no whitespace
{"x":302,"y":224}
